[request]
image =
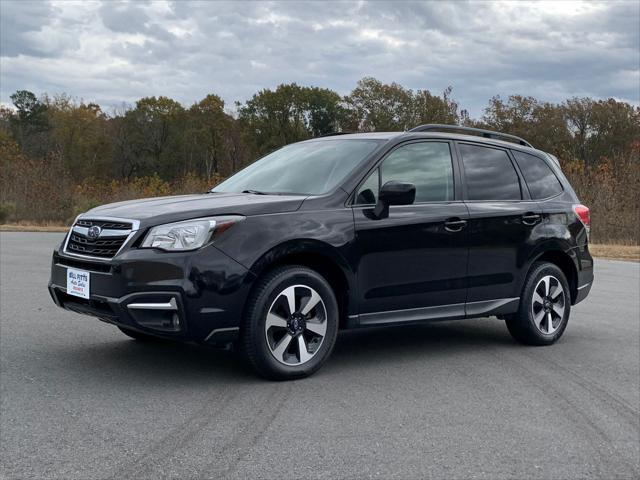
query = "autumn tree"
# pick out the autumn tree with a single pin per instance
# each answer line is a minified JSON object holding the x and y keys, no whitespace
{"x":79,"y":134}
{"x":236,"y":146}
{"x":289,"y":113}
{"x":127,"y":147}
{"x":613,"y":127}
{"x":207,"y":125}
{"x":30,"y":122}
{"x":578,"y":113}
{"x":157,"y":125}
{"x":541,"y":123}
{"x":375,"y":106}
{"x":323,"y":111}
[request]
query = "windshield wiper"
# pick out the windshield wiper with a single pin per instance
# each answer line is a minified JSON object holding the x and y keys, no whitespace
{"x":255,"y":192}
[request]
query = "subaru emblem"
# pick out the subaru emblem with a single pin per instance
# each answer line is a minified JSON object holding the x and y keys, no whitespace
{"x":94,"y":232}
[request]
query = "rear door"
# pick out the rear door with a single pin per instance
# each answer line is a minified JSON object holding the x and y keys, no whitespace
{"x":502,"y":225}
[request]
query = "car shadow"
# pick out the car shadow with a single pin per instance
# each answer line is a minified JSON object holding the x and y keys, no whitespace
{"x":428,"y":340}
{"x":126,"y":360}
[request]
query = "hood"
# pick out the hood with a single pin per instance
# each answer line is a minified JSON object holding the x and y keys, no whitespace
{"x":184,"y":207}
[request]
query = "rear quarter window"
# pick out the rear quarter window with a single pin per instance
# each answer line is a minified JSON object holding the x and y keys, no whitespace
{"x":541,"y":180}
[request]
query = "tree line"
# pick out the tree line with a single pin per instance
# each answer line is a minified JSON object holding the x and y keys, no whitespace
{"x":160,"y":146}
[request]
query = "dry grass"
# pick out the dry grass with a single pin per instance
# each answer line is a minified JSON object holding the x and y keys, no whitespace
{"x":616,"y":252}
{"x":14,"y":227}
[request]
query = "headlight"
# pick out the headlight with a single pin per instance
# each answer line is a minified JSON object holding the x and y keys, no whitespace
{"x":188,"y":235}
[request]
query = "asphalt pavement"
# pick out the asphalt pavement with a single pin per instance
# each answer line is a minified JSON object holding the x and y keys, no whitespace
{"x":444,"y":400}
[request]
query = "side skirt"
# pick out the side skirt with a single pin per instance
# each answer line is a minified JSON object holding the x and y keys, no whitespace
{"x":499,"y":306}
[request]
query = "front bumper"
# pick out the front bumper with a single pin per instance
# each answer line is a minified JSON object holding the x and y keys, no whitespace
{"x":190,"y":296}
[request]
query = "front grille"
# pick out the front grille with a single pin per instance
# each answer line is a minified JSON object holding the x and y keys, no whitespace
{"x":82,"y":245}
{"x":112,"y":237}
{"x":104,"y":224}
{"x":77,"y":238}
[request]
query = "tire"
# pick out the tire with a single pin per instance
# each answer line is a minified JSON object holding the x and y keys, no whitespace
{"x":283,"y":345}
{"x":141,"y":337}
{"x":540,"y":303}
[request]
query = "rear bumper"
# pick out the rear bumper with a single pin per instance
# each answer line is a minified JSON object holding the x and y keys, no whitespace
{"x":194,"y":296}
{"x":582,"y":292}
{"x":584,"y":265}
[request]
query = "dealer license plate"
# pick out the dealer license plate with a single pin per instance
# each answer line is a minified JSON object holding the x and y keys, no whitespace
{"x":78,"y":282}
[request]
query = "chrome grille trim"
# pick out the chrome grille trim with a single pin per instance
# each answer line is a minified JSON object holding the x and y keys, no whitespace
{"x":105,"y":233}
{"x":116,"y":230}
{"x":105,"y":224}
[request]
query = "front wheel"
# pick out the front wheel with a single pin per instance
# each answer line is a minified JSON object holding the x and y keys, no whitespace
{"x":291,"y":323}
{"x":545,"y":305}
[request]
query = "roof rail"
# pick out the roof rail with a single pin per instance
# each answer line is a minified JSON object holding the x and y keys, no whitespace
{"x":332,"y":134}
{"x":437,"y":127}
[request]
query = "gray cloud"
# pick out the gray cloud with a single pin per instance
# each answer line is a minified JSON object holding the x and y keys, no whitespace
{"x":128,"y":18}
{"x":114,"y":52}
{"x":20,"y":23}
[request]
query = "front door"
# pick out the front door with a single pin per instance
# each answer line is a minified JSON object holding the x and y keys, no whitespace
{"x":412,"y":265}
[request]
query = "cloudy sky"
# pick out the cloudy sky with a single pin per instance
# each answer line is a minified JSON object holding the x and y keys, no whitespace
{"x":110,"y":52}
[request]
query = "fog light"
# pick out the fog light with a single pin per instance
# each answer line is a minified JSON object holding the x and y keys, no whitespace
{"x":159,"y":316}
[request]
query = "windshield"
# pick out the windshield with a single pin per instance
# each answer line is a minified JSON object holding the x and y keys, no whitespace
{"x":309,"y":168}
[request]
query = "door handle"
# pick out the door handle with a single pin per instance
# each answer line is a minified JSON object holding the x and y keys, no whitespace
{"x":454,"y":224}
{"x":531,"y":218}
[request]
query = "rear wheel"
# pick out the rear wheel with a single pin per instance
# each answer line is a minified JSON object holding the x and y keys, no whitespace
{"x":545,"y":305}
{"x":291,"y":323}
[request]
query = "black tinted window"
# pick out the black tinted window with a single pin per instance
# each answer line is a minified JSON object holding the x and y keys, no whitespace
{"x":541,"y":180}
{"x":427,"y":165}
{"x":489,"y":174}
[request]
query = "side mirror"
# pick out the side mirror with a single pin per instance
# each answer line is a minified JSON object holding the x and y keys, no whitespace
{"x":394,"y":193}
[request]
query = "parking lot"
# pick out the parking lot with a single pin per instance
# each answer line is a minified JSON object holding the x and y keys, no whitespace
{"x":448,"y":400}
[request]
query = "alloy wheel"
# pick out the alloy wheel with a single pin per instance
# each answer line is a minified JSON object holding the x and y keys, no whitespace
{"x":296,"y":325}
{"x":548,"y":304}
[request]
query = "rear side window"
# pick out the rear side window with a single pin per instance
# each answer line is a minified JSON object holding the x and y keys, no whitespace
{"x":489,"y":174}
{"x":541,"y":180}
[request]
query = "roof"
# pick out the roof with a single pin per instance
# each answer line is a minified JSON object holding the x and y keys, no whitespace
{"x":443,"y":135}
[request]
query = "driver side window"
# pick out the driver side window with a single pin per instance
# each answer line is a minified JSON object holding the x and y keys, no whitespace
{"x":428,"y":165}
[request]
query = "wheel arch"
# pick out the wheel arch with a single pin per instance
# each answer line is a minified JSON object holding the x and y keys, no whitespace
{"x":565,"y":260}
{"x":320,"y":257}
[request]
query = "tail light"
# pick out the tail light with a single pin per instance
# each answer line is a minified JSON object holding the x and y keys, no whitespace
{"x":584,"y":215}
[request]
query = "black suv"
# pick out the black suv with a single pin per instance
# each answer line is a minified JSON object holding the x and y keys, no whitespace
{"x":343,"y":231}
